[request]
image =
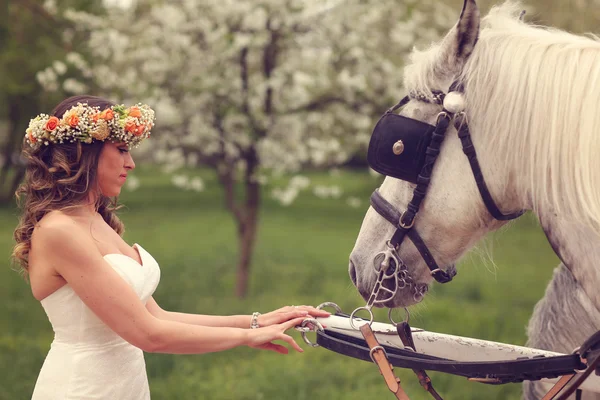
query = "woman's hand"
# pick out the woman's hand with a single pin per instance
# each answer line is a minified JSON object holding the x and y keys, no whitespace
{"x":290,"y":312}
{"x":262,"y":338}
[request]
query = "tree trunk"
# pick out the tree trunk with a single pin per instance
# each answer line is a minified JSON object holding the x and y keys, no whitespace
{"x":246,"y":238}
{"x":249,"y":225}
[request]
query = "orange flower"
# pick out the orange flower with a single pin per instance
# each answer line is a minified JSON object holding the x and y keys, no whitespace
{"x":31,"y":138}
{"x":73,"y":120}
{"x":139,"y":130}
{"x":107,"y":114}
{"x":95,"y":117}
{"x":135,"y":112}
{"x":130,"y":126}
{"x":52,"y":124}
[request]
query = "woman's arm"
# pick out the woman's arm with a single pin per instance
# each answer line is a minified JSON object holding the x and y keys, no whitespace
{"x":72,"y":253}
{"x":231,"y":321}
{"x":235,"y":321}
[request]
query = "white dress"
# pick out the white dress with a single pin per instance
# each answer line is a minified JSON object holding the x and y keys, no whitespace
{"x":87,"y":360}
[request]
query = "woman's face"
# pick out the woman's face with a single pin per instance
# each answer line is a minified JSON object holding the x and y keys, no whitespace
{"x":113,"y":165}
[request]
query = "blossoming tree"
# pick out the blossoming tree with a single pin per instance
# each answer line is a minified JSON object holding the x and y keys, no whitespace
{"x":250,"y":86}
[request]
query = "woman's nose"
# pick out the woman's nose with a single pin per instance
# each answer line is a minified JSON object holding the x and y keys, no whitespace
{"x":129,"y":163}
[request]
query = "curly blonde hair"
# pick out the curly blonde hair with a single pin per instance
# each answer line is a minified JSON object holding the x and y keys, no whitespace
{"x":59,"y":177}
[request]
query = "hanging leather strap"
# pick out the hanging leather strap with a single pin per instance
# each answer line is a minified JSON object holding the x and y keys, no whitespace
{"x":386,"y":369}
{"x":582,"y":377}
{"x":405,"y":334}
{"x":560,"y":385}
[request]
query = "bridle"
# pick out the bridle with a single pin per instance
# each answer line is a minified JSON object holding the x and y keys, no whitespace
{"x":407,"y":149}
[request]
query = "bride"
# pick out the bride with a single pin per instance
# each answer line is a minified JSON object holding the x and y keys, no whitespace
{"x":95,"y":288}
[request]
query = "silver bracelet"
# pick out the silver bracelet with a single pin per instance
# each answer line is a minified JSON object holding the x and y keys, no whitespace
{"x":254,"y":323}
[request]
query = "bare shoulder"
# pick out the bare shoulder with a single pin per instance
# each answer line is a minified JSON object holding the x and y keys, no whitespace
{"x":56,"y":227}
{"x":60,"y":235}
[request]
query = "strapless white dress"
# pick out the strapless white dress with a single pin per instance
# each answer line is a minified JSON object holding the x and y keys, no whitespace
{"x":87,"y":360}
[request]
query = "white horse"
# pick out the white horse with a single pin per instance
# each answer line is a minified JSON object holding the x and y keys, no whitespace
{"x":532,"y":100}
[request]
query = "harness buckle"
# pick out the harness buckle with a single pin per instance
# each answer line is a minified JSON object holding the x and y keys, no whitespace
{"x":441,"y":276}
{"x":405,"y":226}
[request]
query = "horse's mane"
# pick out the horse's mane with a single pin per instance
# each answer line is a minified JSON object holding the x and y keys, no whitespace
{"x":533,"y":96}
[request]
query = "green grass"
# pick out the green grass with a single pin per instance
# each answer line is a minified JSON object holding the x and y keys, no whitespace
{"x":301,"y":258}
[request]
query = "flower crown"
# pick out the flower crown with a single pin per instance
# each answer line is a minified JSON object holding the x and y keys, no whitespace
{"x":85,"y":124}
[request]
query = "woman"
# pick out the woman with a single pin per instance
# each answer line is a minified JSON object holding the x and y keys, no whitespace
{"x":95,"y":288}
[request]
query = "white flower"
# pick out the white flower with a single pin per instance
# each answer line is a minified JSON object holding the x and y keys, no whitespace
{"x":60,"y":67}
{"x":354,"y":202}
{"x":285,"y":196}
{"x":325,"y":192}
{"x":299,"y":182}
{"x":196,"y":184}
{"x":71,"y":85}
{"x":180,"y":181}
{"x":50,"y":6}
{"x":132,"y":183}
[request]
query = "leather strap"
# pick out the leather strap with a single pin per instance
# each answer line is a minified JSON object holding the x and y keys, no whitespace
{"x":469,"y":150}
{"x":389,"y":212}
{"x":591,"y":368}
{"x":386,"y":369}
{"x":405,"y":334}
{"x":564,"y":381}
{"x":503,"y":371}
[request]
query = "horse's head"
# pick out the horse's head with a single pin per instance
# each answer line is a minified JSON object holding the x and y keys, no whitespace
{"x":451,"y":216}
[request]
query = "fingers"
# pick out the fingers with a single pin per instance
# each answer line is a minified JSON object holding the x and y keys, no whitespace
{"x":292,"y":323}
{"x":275,"y":347}
{"x":292,"y":343}
{"x":315,"y":312}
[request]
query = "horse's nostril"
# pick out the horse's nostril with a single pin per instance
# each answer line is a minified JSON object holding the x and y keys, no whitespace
{"x":352,"y":271}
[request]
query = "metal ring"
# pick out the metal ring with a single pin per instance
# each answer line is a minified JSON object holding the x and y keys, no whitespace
{"x":418,"y":296}
{"x":313,"y":321}
{"x":379,"y":347}
{"x":303,"y":333}
{"x":357,"y":310}
{"x":401,"y":283}
{"x":403,"y":225}
{"x":406,"y":318}
{"x":337,"y":308}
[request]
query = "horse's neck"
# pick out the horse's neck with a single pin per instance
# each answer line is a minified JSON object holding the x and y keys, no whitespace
{"x":579,"y":249}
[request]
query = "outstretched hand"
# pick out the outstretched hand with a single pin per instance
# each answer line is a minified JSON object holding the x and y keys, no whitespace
{"x":290,"y":312}
{"x":262,"y":338}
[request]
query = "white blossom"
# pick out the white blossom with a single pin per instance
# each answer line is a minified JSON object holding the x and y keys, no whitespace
{"x":132,"y":183}
{"x":354,"y":202}
{"x":299,"y":182}
{"x":60,"y":67}
{"x":180,"y":181}
{"x":325,"y":192}
{"x":222,"y":89}
{"x":285,"y":196}
{"x":73,"y":86}
{"x":196,"y":184}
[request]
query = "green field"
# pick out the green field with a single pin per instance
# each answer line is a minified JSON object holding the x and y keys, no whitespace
{"x":301,"y":258}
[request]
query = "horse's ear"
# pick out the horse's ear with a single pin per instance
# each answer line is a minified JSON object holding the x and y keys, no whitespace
{"x":458,"y":45}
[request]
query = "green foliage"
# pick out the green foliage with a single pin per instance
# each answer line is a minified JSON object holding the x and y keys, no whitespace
{"x":301,"y":258}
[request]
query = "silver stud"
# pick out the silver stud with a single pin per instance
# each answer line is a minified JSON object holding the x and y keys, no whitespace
{"x":398,"y":147}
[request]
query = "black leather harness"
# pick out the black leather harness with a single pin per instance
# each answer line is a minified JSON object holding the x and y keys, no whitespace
{"x":421,"y":145}
{"x":586,"y":358}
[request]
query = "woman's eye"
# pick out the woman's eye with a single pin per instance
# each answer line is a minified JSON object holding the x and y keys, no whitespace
{"x":124,"y":150}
